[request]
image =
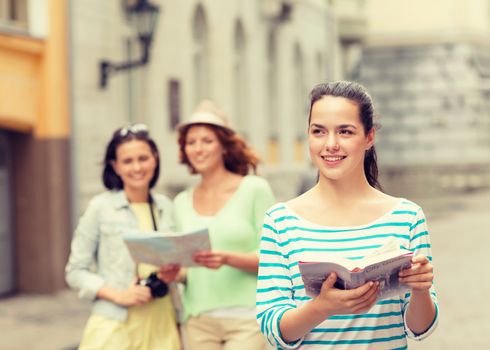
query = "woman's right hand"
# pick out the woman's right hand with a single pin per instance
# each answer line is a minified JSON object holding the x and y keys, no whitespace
{"x":134,"y":295}
{"x":335,"y":301}
{"x":331,"y":301}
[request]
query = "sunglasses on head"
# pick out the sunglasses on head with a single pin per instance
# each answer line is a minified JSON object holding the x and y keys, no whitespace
{"x":133,"y":129}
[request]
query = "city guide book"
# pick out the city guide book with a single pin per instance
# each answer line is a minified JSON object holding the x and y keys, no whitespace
{"x":383,"y":266}
{"x":161,"y":248}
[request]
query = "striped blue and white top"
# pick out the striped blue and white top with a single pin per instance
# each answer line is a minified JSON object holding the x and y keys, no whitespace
{"x":288,"y":238}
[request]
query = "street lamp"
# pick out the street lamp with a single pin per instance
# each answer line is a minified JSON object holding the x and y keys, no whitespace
{"x":145,"y":15}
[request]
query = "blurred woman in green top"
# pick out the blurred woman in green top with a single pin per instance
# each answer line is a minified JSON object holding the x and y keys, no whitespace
{"x":219,"y":297}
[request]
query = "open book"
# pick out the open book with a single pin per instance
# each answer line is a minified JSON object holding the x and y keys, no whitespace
{"x":382,"y":266}
{"x":161,"y":248}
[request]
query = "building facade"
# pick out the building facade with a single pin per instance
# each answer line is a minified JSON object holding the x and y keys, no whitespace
{"x":34,"y":145}
{"x":257,"y":59}
{"x":427,"y":65}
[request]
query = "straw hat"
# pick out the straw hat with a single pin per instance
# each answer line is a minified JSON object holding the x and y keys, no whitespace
{"x":207,"y":112}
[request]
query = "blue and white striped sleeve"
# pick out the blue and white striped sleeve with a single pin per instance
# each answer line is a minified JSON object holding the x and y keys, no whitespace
{"x":420,"y":245}
{"x":274,"y":285}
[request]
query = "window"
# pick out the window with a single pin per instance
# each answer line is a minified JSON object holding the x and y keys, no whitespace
{"x":320,"y":77}
{"x":200,"y":56}
{"x":13,"y":14}
{"x":174,"y":103}
{"x":240,"y":80}
{"x":272,"y":153}
{"x":300,"y":101}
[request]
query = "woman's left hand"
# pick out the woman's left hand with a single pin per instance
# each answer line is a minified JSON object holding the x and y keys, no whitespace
{"x":419,"y":275}
{"x":212,"y":259}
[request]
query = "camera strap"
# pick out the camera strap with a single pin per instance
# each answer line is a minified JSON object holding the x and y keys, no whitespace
{"x":150,"y":205}
{"x":155,"y":228}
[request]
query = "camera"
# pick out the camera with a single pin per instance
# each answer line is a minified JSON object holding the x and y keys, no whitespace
{"x":158,"y":287}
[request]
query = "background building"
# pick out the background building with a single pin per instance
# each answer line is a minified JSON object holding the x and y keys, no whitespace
{"x":427,"y":65}
{"x":257,"y":59}
{"x":34,"y":145}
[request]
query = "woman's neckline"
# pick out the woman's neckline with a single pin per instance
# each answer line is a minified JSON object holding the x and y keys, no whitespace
{"x":346,"y":227}
{"x":220,"y":210}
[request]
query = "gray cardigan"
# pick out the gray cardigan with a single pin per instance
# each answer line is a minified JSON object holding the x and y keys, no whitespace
{"x":99,"y":256}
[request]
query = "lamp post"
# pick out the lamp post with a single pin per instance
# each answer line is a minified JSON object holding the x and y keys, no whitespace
{"x":145,"y":15}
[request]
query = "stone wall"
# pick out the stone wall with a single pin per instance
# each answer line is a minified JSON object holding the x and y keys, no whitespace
{"x":434,"y":110}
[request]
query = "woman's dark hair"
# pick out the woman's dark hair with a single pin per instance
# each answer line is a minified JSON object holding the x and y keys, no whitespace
{"x":357,"y":93}
{"x":122,"y":135}
{"x":238,"y":157}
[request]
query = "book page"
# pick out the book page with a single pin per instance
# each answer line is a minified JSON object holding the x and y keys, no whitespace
{"x":382,"y":267}
{"x":374,"y":259}
{"x":323,"y":257}
{"x":386,"y":273}
{"x":160,"y":248}
{"x":315,"y":273}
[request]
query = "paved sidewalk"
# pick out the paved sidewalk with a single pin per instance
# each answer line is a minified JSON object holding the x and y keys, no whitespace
{"x":460,"y":238}
{"x":42,"y":322}
{"x":459,"y":226}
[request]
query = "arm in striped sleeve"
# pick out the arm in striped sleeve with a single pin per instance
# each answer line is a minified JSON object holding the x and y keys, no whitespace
{"x":274,"y":286}
{"x":420,"y":245}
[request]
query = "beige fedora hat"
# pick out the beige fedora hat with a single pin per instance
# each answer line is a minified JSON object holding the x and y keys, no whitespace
{"x":207,"y":112}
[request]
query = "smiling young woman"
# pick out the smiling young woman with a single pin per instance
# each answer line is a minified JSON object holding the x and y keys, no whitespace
{"x":126,"y":315}
{"x":346,"y":215}
{"x":337,"y":139}
{"x":135,"y":164}
{"x":219,"y":297}
{"x":203,"y":149}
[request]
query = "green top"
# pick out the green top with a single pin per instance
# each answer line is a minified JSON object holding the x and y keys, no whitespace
{"x":236,"y":227}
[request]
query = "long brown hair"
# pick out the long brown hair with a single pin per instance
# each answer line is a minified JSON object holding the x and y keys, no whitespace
{"x":238,"y":157}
